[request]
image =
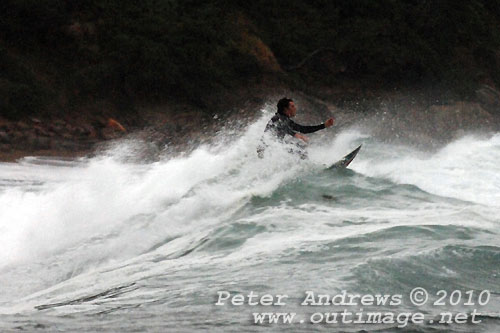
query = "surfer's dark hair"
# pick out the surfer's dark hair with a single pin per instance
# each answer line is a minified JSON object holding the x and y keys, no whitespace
{"x":283,"y":104}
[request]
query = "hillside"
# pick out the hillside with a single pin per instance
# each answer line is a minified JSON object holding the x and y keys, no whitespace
{"x":91,"y":59}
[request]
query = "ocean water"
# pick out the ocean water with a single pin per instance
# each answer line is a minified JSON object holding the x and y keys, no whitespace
{"x":113,"y":243}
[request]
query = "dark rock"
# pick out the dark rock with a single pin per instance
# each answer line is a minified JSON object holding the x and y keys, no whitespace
{"x":29,"y":142}
{"x":41,"y":131}
{"x":88,"y":129}
{"x":59,"y":123}
{"x":4,"y":147}
{"x":17,"y":135}
{"x":4,"y":137}
{"x":100,"y":122}
{"x":22,"y":125}
{"x":34,"y":142}
{"x":70,"y":145}
{"x":43,"y":143}
{"x":489,"y":98}
{"x":109,"y":133}
{"x":65,"y":145}
{"x":56,"y":144}
{"x":56,"y":128}
{"x":67,"y":135}
{"x":81,"y":131}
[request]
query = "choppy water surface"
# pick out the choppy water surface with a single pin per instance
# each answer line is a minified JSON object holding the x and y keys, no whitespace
{"x":110,"y":245}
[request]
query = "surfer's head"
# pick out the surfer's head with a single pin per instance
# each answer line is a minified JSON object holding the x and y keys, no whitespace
{"x":286,"y":107}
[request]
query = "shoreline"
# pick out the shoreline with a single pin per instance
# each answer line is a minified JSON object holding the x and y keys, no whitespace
{"x":53,"y":137}
{"x":17,"y":155}
{"x":178,"y":126}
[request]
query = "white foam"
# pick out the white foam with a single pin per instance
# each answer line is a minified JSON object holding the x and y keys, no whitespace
{"x":106,"y":196}
{"x":465,"y":169}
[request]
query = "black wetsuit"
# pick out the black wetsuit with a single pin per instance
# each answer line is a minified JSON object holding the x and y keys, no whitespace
{"x":281,"y":125}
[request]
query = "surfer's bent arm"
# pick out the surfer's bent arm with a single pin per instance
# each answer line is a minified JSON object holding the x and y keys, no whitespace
{"x":301,"y":137}
{"x":287,"y":129}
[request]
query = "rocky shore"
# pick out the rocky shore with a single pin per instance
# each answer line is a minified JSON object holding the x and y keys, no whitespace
{"x":391,"y":116}
{"x":173,"y":126}
{"x":170,"y":125}
{"x":46,"y":136}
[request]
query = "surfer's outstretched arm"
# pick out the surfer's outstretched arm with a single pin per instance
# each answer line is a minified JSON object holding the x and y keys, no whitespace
{"x":311,"y":129}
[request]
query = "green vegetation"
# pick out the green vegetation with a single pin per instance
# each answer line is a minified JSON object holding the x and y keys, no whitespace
{"x":156,"y":49}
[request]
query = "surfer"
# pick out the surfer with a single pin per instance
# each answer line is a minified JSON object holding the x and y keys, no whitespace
{"x":282,"y":127}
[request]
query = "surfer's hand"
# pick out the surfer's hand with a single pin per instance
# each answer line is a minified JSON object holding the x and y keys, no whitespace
{"x":329,"y":122}
{"x":302,"y":137}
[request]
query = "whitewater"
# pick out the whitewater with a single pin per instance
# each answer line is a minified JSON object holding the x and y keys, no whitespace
{"x":113,"y":243}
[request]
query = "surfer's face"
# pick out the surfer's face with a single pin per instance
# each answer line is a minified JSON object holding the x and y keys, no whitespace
{"x":291,"y":110}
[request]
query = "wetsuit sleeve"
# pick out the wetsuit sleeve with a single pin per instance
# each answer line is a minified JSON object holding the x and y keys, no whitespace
{"x":306,"y":129}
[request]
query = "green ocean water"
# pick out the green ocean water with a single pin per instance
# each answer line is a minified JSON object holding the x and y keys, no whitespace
{"x":107,"y":244}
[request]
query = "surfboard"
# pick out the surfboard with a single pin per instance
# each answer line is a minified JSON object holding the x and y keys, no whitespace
{"x":346,"y":160}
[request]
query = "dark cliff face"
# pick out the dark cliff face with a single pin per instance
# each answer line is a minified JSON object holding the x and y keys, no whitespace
{"x":56,"y":56}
